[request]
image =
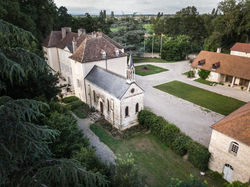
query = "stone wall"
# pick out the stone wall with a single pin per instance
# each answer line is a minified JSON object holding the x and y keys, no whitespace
{"x":220,"y":155}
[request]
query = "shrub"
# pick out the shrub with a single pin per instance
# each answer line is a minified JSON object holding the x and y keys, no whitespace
{"x":203,"y":73}
{"x":70,"y":99}
{"x":190,"y":74}
{"x":198,"y":155}
{"x":75,"y":104}
{"x":180,"y":144}
{"x":238,"y":184}
{"x":177,"y":141}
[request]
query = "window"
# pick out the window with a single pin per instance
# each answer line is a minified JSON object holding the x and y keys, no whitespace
{"x":126,"y":111}
{"x":78,"y":83}
{"x":234,"y":147}
{"x":117,"y":52}
{"x":94,"y":96}
{"x":69,"y":80}
{"x":107,"y":105}
{"x":103,"y":55}
{"x":132,"y":90}
{"x":137,"y":107}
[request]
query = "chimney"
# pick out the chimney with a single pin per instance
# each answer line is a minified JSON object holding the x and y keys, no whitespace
{"x":65,"y":30}
{"x":218,"y":50}
{"x":94,"y":34}
{"x":73,"y":45}
{"x":81,"y":31}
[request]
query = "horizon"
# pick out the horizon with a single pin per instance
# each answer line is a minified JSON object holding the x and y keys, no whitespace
{"x":141,"y":7}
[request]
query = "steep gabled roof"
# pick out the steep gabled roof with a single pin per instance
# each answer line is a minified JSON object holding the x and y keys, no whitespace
{"x":228,"y":64}
{"x":242,"y":47}
{"x":108,"y":81}
{"x":92,"y":46}
{"x":236,"y":124}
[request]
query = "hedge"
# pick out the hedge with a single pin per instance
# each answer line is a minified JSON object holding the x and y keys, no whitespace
{"x":70,"y":99}
{"x":171,"y":135}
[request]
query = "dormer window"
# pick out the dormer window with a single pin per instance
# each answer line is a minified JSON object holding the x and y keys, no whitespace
{"x":117,"y":52}
{"x":234,"y":147}
{"x":104,"y":55}
{"x":216,"y":65}
{"x":201,"y":62}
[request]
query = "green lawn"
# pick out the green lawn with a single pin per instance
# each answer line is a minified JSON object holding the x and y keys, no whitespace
{"x":147,"y":59}
{"x":115,"y":29}
{"x":203,"y":81}
{"x":148,"y":69}
{"x":210,"y":100}
{"x":154,"y":160}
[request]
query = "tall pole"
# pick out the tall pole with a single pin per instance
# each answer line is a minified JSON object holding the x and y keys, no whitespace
{"x":161,"y":44}
{"x":153,"y":46}
{"x":144,"y":43}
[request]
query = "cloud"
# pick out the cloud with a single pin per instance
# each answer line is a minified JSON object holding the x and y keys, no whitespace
{"x":140,"y":6}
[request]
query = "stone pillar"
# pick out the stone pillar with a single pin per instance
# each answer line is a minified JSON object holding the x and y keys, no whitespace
{"x":248,"y":88}
{"x":232,"y":84}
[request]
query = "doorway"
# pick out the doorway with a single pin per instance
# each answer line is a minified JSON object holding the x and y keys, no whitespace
{"x":101,"y":107}
{"x":228,"y":172}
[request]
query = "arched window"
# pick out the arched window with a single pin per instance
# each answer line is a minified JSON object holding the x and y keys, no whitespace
{"x":234,"y":147}
{"x":107,"y":105}
{"x":94,"y":96}
{"x":126,"y":111}
{"x":137,"y":107}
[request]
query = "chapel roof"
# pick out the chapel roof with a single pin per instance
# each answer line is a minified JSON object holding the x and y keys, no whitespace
{"x":108,"y":81}
{"x":236,"y":124}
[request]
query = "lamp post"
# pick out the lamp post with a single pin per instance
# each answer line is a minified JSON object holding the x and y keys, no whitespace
{"x":153,"y":45}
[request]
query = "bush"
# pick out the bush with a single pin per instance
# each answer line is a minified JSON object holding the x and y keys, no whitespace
{"x":198,"y":155}
{"x":70,"y":99}
{"x":180,"y":144}
{"x":190,"y":74}
{"x":171,"y":135}
{"x":203,"y":73}
{"x":75,"y":105}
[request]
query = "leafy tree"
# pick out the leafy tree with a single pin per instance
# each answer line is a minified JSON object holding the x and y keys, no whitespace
{"x":23,"y":73}
{"x":203,"y":73}
{"x":131,"y":35}
{"x":192,"y":182}
{"x":175,"y":48}
{"x":125,"y":173}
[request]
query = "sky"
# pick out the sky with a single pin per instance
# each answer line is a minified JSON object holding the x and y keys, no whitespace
{"x":131,"y":6}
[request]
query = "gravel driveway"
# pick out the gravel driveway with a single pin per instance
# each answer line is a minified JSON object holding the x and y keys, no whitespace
{"x":192,"y":119}
{"x":102,"y":150}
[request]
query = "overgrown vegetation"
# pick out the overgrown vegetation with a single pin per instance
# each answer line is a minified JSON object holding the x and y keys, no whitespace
{"x":79,"y":108}
{"x":203,"y":73}
{"x":171,"y":135}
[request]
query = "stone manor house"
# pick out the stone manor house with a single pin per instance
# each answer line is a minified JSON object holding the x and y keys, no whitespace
{"x":232,"y":69}
{"x":99,"y":73}
{"x":230,"y":145}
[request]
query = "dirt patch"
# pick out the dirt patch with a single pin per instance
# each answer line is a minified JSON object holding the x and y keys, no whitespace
{"x":145,"y":69}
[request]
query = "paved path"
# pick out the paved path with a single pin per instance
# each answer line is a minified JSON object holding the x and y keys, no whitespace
{"x":102,"y":150}
{"x":192,"y":119}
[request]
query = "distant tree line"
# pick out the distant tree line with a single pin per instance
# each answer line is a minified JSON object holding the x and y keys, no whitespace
{"x":225,"y":25}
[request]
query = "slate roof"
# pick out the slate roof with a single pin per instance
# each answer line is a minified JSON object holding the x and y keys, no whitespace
{"x":108,"y":81}
{"x":55,"y":39}
{"x":242,"y":47}
{"x":228,"y":64}
{"x":236,"y":124}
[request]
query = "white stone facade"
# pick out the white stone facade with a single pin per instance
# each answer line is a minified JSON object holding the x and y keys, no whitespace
{"x":222,"y":156}
{"x":74,"y":72}
{"x":238,"y":53}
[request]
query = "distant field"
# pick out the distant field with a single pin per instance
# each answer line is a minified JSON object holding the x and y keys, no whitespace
{"x":148,"y":69}
{"x":115,"y":29}
{"x":210,"y":100}
{"x":148,"y":27}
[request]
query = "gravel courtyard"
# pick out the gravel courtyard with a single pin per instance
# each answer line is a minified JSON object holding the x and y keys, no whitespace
{"x":192,"y":119}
